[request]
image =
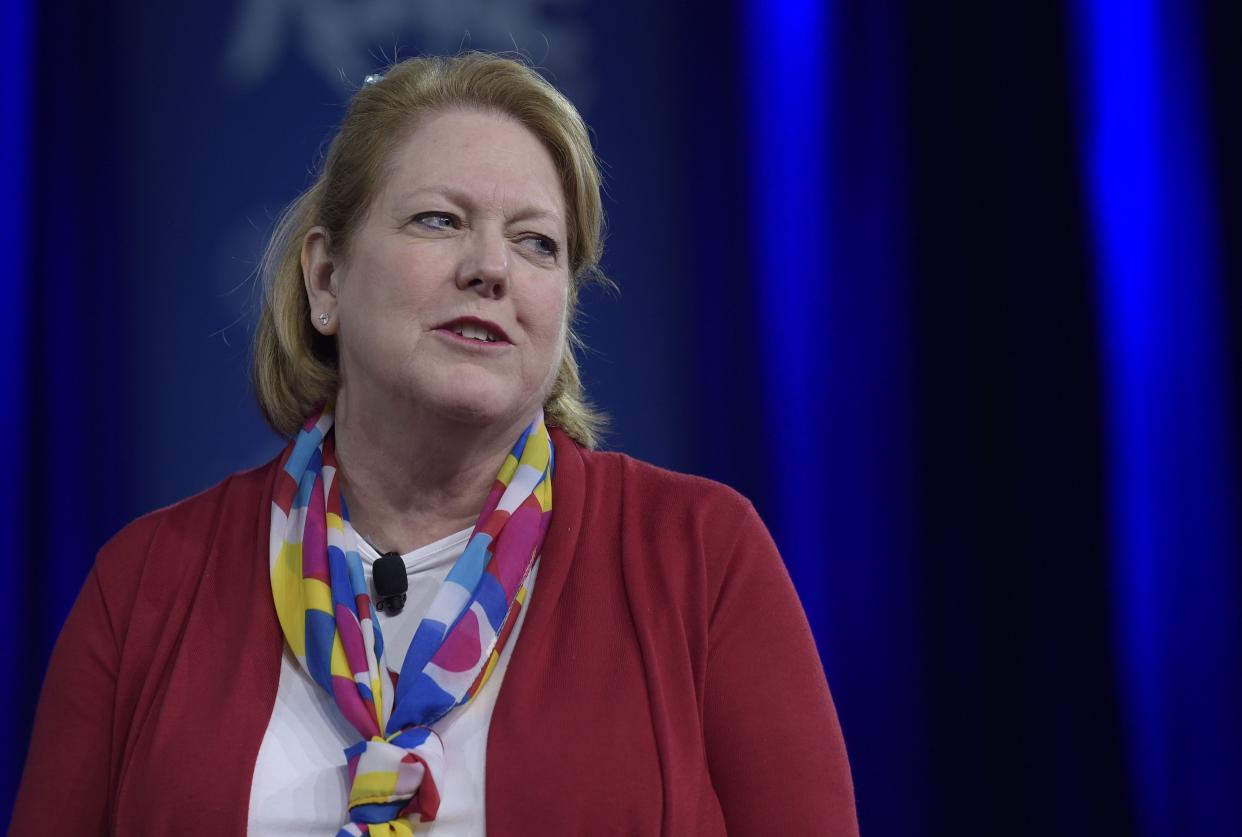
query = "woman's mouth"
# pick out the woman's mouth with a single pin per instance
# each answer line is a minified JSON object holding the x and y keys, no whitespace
{"x":472,"y":330}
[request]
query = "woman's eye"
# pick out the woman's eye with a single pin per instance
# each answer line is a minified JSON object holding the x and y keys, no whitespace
{"x":542,"y":245}
{"x":437,"y":220}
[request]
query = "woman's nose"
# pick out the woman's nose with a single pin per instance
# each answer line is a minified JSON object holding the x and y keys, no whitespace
{"x":485,"y":265}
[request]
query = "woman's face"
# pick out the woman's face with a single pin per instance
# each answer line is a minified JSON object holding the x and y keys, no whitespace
{"x":452,"y":294}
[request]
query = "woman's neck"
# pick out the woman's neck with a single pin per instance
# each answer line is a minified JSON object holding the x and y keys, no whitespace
{"x":412,"y":480}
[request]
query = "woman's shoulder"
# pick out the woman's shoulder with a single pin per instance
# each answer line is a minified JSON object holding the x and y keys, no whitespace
{"x":657,"y":488}
{"x":181,"y":531}
{"x":682,"y":542}
{"x":620,"y":492}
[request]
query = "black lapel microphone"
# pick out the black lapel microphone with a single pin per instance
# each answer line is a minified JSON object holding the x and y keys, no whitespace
{"x":388,"y":573}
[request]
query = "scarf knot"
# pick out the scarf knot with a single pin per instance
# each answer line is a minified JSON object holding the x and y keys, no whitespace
{"x":395,"y":777}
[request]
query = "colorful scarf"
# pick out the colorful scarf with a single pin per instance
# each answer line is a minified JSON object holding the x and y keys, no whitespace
{"x":325,"y":612}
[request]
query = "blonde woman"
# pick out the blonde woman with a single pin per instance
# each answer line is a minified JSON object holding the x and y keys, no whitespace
{"x":440,"y":610}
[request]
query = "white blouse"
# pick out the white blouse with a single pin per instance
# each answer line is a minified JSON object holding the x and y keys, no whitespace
{"x":300,"y":783}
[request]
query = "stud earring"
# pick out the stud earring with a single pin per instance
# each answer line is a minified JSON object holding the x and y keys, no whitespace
{"x":323,"y":318}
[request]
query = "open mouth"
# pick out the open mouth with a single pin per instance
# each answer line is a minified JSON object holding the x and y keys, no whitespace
{"x":474,"y":332}
{"x":471,"y":328}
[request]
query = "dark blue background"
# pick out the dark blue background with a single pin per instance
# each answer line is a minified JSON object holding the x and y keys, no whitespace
{"x":949,"y":290}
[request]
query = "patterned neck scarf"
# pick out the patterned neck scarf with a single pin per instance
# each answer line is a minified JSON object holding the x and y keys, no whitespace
{"x":326,"y":615}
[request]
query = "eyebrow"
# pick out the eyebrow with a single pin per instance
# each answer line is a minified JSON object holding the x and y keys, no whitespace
{"x":530,"y":212}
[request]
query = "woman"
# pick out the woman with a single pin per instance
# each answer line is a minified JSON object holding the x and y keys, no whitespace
{"x":658,"y":675}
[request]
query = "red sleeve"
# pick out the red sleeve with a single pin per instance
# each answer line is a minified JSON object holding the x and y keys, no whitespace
{"x":65,"y":784}
{"x":774,"y":744}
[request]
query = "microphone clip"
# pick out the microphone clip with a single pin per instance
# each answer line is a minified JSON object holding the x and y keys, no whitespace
{"x":391,"y":584}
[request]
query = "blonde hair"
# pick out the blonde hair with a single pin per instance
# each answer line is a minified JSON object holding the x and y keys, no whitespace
{"x":295,"y":367}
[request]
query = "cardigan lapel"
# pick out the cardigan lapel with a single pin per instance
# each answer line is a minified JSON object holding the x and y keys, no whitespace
{"x":523,"y":675}
{"x":559,"y":546}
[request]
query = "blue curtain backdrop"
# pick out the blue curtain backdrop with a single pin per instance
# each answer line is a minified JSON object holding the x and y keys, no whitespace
{"x":950,"y":290}
{"x":16,"y":32}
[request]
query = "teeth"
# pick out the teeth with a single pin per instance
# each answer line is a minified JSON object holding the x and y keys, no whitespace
{"x":474,"y":332}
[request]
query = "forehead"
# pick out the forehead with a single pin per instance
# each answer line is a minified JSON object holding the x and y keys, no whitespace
{"x":489,"y":159}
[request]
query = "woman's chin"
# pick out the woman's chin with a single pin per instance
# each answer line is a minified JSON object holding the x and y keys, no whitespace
{"x":464,"y":397}
{"x":481,"y":409}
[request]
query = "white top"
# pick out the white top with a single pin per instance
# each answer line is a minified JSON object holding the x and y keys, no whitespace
{"x":300,"y":783}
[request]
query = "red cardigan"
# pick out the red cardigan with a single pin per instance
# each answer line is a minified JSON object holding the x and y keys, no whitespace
{"x":665,"y":681}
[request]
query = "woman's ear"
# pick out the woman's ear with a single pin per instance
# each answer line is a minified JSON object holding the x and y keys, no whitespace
{"x":319,"y":275}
